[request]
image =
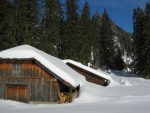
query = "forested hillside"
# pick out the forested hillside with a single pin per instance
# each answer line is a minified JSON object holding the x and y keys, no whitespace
{"x":64,"y":31}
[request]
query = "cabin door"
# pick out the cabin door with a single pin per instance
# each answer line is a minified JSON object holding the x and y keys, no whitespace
{"x":17,"y":92}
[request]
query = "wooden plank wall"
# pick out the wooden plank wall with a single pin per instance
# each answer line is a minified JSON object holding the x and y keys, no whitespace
{"x":41,"y":85}
{"x":17,"y":92}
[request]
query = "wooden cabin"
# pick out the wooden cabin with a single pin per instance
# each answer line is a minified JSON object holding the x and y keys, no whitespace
{"x":90,"y":74}
{"x":29,"y":80}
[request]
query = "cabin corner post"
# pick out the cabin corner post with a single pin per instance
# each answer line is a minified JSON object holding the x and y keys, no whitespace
{"x":70,"y":94}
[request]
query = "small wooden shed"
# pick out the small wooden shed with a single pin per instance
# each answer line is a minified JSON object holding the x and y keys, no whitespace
{"x":90,"y":74}
{"x":30,"y":75}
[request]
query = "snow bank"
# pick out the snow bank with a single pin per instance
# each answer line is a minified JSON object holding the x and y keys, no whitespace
{"x":90,"y":93}
{"x":52,"y":63}
{"x":120,"y":78}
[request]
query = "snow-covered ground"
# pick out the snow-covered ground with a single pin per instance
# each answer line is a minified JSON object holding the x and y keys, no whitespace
{"x":124,"y":95}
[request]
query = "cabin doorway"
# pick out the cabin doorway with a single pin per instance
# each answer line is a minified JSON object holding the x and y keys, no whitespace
{"x":17,"y":92}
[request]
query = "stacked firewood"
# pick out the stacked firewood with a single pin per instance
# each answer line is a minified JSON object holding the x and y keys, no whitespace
{"x":63,"y":97}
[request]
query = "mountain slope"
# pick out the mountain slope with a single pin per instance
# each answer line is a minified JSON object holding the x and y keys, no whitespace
{"x":122,"y":39}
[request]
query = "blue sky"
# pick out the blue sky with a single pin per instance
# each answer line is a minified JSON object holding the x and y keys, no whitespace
{"x":120,"y":11}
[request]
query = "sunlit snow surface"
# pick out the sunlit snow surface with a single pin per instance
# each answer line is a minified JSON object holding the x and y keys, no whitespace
{"x":124,"y":95}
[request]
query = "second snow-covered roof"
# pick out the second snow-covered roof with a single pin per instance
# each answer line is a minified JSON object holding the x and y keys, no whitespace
{"x":101,"y":74}
{"x":53,"y":64}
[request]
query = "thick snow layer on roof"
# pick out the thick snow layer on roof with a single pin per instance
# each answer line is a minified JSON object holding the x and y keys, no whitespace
{"x":101,"y":74}
{"x":54,"y":64}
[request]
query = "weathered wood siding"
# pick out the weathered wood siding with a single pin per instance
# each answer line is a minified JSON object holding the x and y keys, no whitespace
{"x":91,"y":77}
{"x":17,"y":92}
{"x":27,"y":81}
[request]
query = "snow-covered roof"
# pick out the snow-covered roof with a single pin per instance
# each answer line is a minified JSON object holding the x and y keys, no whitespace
{"x":78,"y":64}
{"x":53,"y":64}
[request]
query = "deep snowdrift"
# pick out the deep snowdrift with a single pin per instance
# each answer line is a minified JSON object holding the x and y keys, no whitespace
{"x":124,"y":95}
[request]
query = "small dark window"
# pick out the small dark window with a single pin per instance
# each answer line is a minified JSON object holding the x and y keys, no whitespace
{"x":16,"y":70}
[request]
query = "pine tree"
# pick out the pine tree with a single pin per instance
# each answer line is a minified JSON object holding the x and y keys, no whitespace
{"x":95,"y":39}
{"x":118,"y":63}
{"x":5,"y":24}
{"x":62,"y":33}
{"x":25,"y":21}
{"x":138,"y":42}
{"x":106,"y":42}
{"x":147,"y":41}
{"x":20,"y":21}
{"x":51,"y":28}
{"x":71,"y":34}
{"x":32,"y":20}
{"x":85,"y":48}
